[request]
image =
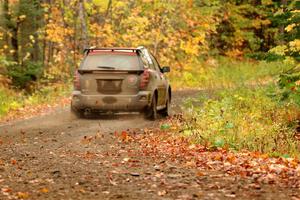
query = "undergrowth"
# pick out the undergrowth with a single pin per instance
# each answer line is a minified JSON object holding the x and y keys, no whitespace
{"x":244,"y":118}
{"x":228,"y":73}
{"x":243,"y":110}
{"x":13,"y":100}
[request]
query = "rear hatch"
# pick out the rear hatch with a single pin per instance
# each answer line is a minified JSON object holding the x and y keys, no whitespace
{"x":110,"y":73}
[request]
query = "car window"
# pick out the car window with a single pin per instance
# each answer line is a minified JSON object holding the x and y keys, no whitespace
{"x":155,"y":63}
{"x":120,"y":61}
{"x":152,"y":66}
{"x":144,"y":60}
{"x":147,"y":58}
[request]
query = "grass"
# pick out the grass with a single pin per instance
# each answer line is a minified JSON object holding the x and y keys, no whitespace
{"x":241,"y":113}
{"x":13,"y":100}
{"x":244,"y":118}
{"x":227,"y":73}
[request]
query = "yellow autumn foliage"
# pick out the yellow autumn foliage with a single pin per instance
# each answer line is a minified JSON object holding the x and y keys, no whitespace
{"x":290,"y":27}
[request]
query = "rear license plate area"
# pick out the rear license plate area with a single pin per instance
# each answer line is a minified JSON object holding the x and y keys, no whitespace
{"x":108,"y":86}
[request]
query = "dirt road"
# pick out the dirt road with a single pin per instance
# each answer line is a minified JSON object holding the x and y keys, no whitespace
{"x":56,"y":157}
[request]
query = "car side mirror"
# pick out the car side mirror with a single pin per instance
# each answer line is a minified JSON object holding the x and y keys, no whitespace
{"x":165,"y":69}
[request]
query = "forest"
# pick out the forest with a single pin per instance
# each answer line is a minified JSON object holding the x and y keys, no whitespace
{"x":43,"y":41}
{"x":244,"y":53}
{"x":233,"y":130}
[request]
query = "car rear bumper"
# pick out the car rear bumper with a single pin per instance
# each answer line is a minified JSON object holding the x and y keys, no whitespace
{"x":113,"y":103}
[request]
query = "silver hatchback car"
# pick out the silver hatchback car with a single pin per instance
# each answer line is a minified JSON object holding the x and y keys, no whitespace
{"x":113,"y":80}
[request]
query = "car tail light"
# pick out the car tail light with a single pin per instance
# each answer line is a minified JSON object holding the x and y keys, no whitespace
{"x":76,"y":80}
{"x":145,"y":77}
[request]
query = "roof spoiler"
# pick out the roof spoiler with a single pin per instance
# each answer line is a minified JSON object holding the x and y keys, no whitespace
{"x":88,"y":50}
{"x":84,"y":71}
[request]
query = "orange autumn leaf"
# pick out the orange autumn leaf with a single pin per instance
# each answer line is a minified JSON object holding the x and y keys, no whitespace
{"x":13,"y":161}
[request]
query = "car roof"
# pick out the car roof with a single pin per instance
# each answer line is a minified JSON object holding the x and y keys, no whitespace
{"x":105,"y":49}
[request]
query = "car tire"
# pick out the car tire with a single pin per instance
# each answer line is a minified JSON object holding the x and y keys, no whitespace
{"x":76,"y":114}
{"x":167,"y":110}
{"x":151,"y":112}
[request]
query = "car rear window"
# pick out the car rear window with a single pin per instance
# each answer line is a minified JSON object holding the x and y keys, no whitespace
{"x":118,"y":60}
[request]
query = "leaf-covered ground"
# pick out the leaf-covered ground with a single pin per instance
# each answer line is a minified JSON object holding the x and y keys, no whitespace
{"x":256,"y":167}
{"x":30,"y":111}
{"x":126,"y":157}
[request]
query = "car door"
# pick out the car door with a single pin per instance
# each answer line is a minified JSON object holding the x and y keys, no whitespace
{"x":161,"y":83}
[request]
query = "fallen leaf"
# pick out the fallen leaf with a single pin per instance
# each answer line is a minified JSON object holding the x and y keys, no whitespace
{"x":190,"y":164}
{"x":231,"y":158}
{"x":113,"y":182}
{"x":82,"y":191}
{"x":44,"y":190}
{"x":7,"y":190}
{"x":218,"y":157}
{"x":200,"y":174}
{"x":13,"y":161}
{"x":162,"y":193}
{"x":230,"y":195}
{"x":156,"y":167}
{"x":124,"y":136}
{"x":23,"y":195}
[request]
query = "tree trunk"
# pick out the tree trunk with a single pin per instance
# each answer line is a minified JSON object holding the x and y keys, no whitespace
{"x":13,"y":29}
{"x":82,"y":18}
{"x":37,"y":25}
{"x":15,"y":42}
{"x":75,"y":34}
{"x":6,"y":20}
{"x":109,"y":7}
{"x":256,"y":2}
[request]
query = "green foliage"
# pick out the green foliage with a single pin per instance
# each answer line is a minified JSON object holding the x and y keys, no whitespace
{"x":165,"y":126}
{"x":245,"y":28}
{"x":4,"y":62}
{"x":226,"y":72}
{"x":48,"y":94}
{"x":289,"y":81}
{"x":11,"y":101}
{"x":22,"y":75}
{"x":266,"y":56}
{"x":4,"y":79}
{"x":31,"y":11}
{"x":240,"y":108}
{"x":7,"y":101}
{"x":245,"y":118}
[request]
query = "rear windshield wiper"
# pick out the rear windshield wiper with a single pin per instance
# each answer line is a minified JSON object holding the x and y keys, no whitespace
{"x":106,"y":67}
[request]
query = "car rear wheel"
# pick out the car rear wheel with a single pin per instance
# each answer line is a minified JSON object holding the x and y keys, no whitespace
{"x":151,"y":112}
{"x":76,"y":114}
{"x":167,"y":110}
